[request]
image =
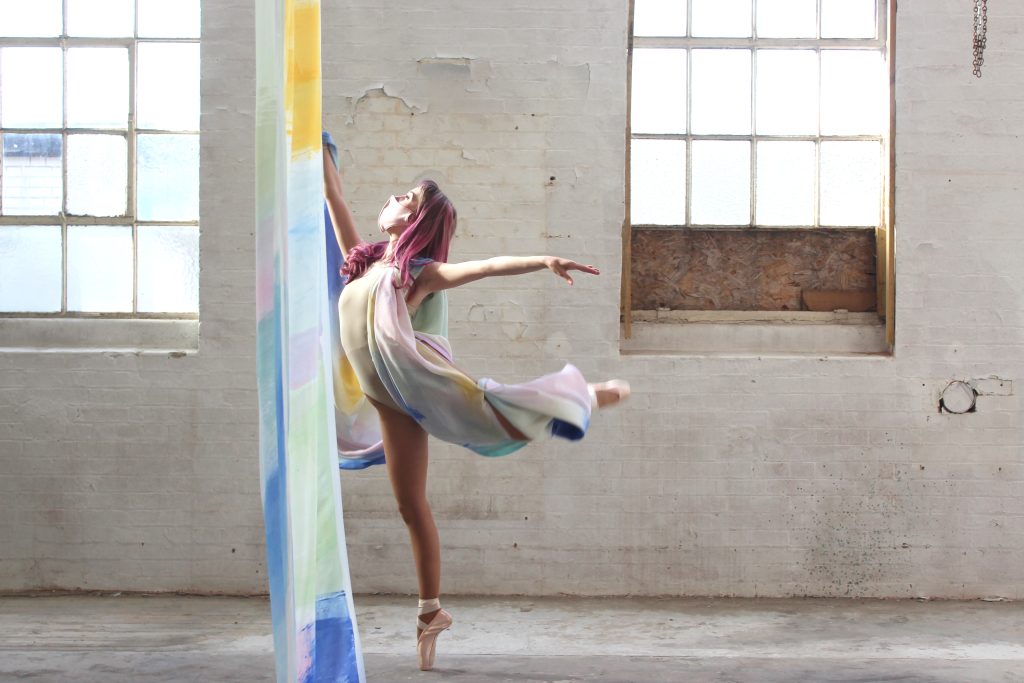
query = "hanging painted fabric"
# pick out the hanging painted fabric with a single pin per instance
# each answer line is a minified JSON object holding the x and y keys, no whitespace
{"x":315,"y":636}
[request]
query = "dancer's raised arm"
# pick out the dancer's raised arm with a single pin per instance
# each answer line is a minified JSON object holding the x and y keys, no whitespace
{"x":437,"y":276}
{"x":341,"y":217}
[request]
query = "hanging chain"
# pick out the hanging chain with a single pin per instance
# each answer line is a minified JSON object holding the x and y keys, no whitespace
{"x":980,"y":34}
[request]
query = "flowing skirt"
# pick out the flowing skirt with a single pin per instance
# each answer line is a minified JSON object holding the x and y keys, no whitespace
{"x":416,"y":368}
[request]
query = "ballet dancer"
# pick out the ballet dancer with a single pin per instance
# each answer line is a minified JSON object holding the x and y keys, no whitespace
{"x":395,"y":380}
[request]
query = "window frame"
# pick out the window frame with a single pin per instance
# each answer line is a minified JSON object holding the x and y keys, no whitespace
{"x":130,"y":133}
{"x":885,"y":16}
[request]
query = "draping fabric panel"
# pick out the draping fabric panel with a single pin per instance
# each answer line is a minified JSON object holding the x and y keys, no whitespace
{"x":315,"y":635}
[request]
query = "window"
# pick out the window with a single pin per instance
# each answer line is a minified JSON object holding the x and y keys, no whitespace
{"x":770,"y":119}
{"x":99,"y":173}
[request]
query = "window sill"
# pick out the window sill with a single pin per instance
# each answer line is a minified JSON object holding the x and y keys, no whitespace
{"x":756,"y":333}
{"x":80,"y":335}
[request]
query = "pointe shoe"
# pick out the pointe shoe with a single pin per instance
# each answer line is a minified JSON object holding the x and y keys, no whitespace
{"x":619,"y":386}
{"x":425,"y":646}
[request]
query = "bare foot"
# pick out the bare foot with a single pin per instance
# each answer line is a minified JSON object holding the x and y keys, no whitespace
{"x":611,"y":392}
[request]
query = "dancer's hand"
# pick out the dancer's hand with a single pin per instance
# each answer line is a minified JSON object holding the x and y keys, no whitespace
{"x":562,"y":266}
{"x":331,"y":148}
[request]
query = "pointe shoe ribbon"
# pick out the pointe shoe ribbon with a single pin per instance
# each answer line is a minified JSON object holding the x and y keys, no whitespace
{"x":426,"y":645}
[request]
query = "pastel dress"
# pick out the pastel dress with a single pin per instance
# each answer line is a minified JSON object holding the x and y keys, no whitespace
{"x":403,"y":360}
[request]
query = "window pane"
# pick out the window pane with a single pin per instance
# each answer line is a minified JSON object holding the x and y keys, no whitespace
{"x":100,"y":268}
{"x":32,"y":181}
{"x":32,"y":82}
{"x":659,"y":18}
{"x":848,"y":19}
{"x":168,"y":269}
{"x":721,"y":18}
{"x":97,"y":175}
{"x":36,"y":19}
{"x":98,"y":87}
{"x":659,"y":91}
{"x":787,"y":92}
{"x":851,"y":181}
{"x":168,"y":177}
{"x":721,"y":92}
{"x":164,"y":19}
{"x":658,"y":182}
{"x":115,"y":18}
{"x":721,"y":183}
{"x":30,"y":261}
{"x":851,"y":92}
{"x":168,"y":84}
{"x":787,"y":18}
{"x":785,"y":183}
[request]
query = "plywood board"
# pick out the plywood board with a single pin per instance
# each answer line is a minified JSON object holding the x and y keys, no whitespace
{"x":746,"y":269}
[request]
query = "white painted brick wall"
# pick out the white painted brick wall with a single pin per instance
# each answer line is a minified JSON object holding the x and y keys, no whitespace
{"x":725,"y":476}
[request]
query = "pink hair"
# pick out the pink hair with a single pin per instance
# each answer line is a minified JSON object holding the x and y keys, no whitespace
{"x":429,"y":235}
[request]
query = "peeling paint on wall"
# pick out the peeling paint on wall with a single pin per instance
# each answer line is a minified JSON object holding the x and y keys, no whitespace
{"x":380,"y":91}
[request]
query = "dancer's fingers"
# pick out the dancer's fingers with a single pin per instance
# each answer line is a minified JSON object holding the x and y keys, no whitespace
{"x":586,"y":269}
{"x":562,"y":266}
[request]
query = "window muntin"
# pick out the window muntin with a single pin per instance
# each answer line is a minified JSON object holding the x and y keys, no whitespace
{"x":799,"y":81}
{"x":99,"y":132}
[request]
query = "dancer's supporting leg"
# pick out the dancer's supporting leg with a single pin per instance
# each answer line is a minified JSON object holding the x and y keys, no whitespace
{"x":405,"y":449}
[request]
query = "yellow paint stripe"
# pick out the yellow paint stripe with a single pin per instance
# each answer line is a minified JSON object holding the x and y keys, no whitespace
{"x":303,"y":79}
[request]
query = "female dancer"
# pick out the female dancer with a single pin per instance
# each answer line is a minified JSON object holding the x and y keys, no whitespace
{"x":393,"y":319}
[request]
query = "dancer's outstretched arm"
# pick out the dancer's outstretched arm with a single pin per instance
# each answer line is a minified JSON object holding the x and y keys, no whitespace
{"x":341,"y":217}
{"x":437,"y":276}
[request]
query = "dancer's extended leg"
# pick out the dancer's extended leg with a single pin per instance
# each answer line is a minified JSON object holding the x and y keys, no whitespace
{"x":405,"y":449}
{"x":508,"y":427}
{"x":606,"y":395}
{"x":610,"y":393}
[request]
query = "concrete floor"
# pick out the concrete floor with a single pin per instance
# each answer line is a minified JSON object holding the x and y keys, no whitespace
{"x":121,"y":638}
